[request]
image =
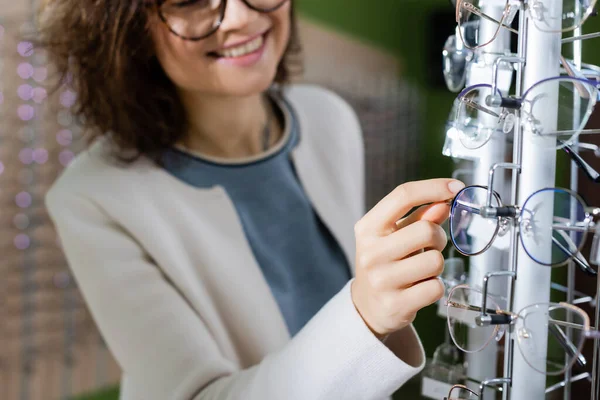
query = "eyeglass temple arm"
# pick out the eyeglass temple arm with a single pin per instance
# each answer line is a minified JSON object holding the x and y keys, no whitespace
{"x":590,"y":172}
{"x":581,"y":37}
{"x":476,"y":308}
{"x":481,"y":14}
{"x":574,"y":254}
{"x":567,"y":344}
{"x":589,"y":146}
{"x":574,"y":73}
{"x":563,"y":383}
{"x":581,"y":297}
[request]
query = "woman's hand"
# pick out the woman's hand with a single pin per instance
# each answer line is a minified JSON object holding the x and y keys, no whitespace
{"x":398,"y":260}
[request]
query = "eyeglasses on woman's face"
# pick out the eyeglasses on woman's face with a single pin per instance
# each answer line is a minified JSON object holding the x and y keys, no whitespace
{"x":198,"y":19}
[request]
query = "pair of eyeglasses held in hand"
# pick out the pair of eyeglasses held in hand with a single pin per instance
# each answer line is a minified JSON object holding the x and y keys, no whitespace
{"x":553,"y":224}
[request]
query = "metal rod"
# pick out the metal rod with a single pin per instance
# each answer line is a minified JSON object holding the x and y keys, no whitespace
{"x":596,"y":360}
{"x":483,"y":364}
{"x":486,"y":279}
{"x":512,"y":59}
{"x":491,"y":174}
{"x":573,"y":211}
{"x":492,"y":383}
{"x":514,"y":237}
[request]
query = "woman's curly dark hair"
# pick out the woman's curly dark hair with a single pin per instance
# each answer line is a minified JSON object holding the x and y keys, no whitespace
{"x":104,"y":51}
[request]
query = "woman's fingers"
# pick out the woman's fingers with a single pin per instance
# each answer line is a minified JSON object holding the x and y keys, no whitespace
{"x":436,"y":213}
{"x":406,"y":273}
{"x":397,"y":262}
{"x":403,"y":243}
{"x":401,"y":306}
{"x":381,"y":219}
{"x":422,"y":294}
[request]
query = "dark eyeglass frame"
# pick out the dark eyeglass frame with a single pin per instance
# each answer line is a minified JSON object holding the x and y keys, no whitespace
{"x":222,"y":8}
{"x":505,"y":213}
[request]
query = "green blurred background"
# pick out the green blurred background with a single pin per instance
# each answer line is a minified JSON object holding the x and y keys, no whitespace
{"x":407,"y":29}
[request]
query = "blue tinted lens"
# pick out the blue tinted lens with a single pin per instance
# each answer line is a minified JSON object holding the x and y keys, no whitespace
{"x":469,"y":231}
{"x":545,"y":220}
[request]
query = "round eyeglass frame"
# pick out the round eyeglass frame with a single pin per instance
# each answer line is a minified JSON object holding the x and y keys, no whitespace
{"x":460,"y":387}
{"x":517,"y":320}
{"x":222,"y":8}
{"x":576,"y":196}
{"x":452,"y":208}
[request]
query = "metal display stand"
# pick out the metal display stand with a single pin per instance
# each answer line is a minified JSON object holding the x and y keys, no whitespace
{"x":483,"y":364}
{"x":510,"y":271}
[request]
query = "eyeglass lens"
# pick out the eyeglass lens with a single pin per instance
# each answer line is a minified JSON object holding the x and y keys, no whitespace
{"x":464,"y":305}
{"x":469,"y":231}
{"x":575,"y":99}
{"x":552,"y":19}
{"x":558,"y":347}
{"x":544,"y":227}
{"x":474,"y":120}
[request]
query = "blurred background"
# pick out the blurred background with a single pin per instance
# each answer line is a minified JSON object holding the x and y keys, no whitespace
{"x":383,"y":56}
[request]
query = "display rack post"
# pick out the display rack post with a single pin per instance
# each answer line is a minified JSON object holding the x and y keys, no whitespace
{"x":482,"y":365}
{"x":538,"y":161}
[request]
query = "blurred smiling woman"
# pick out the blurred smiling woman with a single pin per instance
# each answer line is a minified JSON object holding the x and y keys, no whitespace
{"x":215,"y":224}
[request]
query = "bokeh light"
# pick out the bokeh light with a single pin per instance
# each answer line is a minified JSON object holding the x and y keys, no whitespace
{"x":64,"y":137}
{"x":66,"y":157}
{"x":25,"y":49}
{"x":26,"y":112}
{"x":39,"y":95}
{"x":62,"y":279}
{"x":22,"y":241}
{"x":40,"y":156}
{"x":25,"y":92}
{"x":23,"y":199}
{"x":25,"y":70}
{"x":67,"y":98}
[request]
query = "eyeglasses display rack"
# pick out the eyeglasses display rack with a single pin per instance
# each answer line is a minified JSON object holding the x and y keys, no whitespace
{"x":515,"y":112}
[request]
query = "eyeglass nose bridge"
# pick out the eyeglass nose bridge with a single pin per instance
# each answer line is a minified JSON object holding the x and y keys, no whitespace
{"x":252,"y":7}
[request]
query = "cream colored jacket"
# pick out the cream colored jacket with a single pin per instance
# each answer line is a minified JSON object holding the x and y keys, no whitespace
{"x":174,"y":287}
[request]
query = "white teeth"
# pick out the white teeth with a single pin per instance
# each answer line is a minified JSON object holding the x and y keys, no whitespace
{"x":244,"y":49}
